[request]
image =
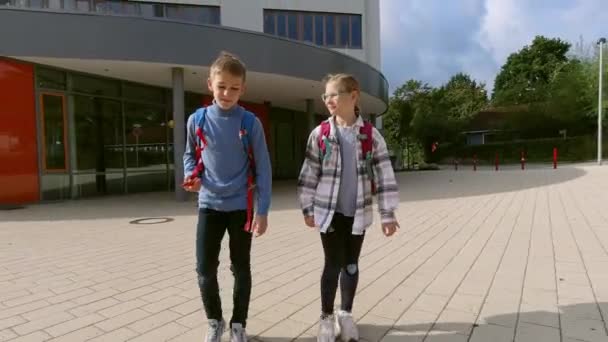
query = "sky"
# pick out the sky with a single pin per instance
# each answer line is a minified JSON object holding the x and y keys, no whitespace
{"x":431,"y":40}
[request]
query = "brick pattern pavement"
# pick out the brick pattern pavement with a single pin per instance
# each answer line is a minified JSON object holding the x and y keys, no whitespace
{"x":487,"y":256}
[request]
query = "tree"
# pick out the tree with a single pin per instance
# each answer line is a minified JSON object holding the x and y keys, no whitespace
{"x":402,"y":108}
{"x":571,"y":99}
{"x":444,"y":112}
{"x":420,"y":112}
{"x":431,"y":122}
{"x":525,"y":76}
{"x":464,"y":97}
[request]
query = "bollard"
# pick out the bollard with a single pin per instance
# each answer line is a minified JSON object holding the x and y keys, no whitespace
{"x":474,"y":162}
{"x":496,"y":161}
{"x":455,"y":164}
{"x":555,"y":157}
{"x":523,"y":161}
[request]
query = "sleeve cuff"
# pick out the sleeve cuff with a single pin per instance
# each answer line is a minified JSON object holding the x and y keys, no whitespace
{"x":308,"y":211}
{"x":388,"y":217}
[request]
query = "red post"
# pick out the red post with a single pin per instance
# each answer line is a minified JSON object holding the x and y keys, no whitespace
{"x":555,"y":157}
{"x":523,"y":161}
{"x":496,"y":161}
{"x":474,"y":162}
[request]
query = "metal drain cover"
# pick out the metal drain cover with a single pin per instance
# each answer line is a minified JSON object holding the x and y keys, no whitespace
{"x":152,"y":220}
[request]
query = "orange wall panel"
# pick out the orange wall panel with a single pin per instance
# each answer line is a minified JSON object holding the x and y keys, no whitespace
{"x":19,"y":181}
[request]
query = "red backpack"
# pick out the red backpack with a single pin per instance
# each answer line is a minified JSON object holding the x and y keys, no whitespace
{"x":365,"y":136}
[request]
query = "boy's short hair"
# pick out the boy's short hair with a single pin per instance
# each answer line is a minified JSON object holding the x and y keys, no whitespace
{"x":229,"y":63}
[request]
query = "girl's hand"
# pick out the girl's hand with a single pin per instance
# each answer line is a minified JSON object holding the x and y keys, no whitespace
{"x":390,"y":228}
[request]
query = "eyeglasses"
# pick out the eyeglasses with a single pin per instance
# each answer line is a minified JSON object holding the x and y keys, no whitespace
{"x":326,"y":97}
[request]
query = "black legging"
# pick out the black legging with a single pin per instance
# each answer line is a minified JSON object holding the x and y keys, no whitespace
{"x":342,"y":250}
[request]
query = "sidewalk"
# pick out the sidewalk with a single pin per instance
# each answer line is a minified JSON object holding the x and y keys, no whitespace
{"x":481,"y":256}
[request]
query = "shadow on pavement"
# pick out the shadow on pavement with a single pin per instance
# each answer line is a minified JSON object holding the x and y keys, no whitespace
{"x":414,"y":186}
{"x":579,"y":322}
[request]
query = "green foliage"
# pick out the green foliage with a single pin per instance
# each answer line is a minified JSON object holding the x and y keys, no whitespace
{"x":546,"y":89}
{"x":525,"y":76}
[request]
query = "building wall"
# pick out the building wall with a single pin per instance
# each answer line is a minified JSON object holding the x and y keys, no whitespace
{"x":249,"y":15}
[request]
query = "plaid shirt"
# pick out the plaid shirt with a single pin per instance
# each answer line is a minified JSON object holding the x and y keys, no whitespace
{"x":319,"y":181}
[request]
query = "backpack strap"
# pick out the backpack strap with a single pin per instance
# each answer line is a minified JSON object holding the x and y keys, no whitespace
{"x":247,"y":123}
{"x":323,"y":139}
{"x":367,"y":143}
{"x":366,"y":139}
{"x":199,"y":122}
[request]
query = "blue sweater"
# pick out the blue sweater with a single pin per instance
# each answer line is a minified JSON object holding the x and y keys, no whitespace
{"x":224,"y":181}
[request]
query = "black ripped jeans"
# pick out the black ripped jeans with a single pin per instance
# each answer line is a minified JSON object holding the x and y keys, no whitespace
{"x":342,"y":250}
{"x":211,"y":228}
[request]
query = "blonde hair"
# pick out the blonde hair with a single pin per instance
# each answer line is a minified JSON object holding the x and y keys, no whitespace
{"x":347,"y":83}
{"x":229,"y":63}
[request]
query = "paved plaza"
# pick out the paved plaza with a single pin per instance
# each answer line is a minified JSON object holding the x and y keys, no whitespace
{"x":481,"y":256}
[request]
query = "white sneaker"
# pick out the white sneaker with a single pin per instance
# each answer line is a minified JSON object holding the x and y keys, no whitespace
{"x":346,"y":327}
{"x":326,"y":329}
{"x":237,"y":333}
{"x":215,"y":330}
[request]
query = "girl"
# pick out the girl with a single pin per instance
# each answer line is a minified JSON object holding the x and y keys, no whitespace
{"x":345,"y":159}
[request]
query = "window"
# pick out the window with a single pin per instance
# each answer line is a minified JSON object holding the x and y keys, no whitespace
{"x":152,"y":10}
{"x":116,"y":7}
{"x":54,"y":137}
{"x":139,"y":92}
{"x":95,"y":86}
{"x":355,"y":29}
{"x":307,"y":27}
{"x":330,"y":30}
{"x":190,"y":13}
{"x":54,"y":4}
{"x":98,"y":134}
{"x":76,"y":5}
{"x":319,"y":29}
{"x":83,"y":5}
{"x":198,"y":14}
{"x":292,"y":20}
{"x":324,"y":29}
{"x":269,"y":23}
{"x":281,"y":21}
{"x":344,"y":29}
{"x":51,"y":79}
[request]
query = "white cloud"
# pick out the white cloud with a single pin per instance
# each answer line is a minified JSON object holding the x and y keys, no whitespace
{"x":433,"y":39}
{"x":508,"y":25}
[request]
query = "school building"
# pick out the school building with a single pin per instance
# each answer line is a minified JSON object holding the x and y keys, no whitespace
{"x":94,"y":94}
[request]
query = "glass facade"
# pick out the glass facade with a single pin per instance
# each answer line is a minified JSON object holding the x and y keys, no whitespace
{"x":181,"y":12}
{"x":53,"y":132}
{"x":104,"y":136}
{"x":323,"y":29}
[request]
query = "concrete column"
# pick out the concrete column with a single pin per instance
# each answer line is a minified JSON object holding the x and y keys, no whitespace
{"x":371,"y":29}
{"x":179,"y":132}
{"x":72,"y":145}
{"x":310,"y":115}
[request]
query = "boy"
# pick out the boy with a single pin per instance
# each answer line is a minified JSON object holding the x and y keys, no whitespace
{"x":231,"y":153}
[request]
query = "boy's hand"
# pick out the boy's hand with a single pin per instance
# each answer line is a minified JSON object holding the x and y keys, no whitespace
{"x":310,"y":221}
{"x":192,"y":184}
{"x":390,"y":228}
{"x":260,"y":224}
